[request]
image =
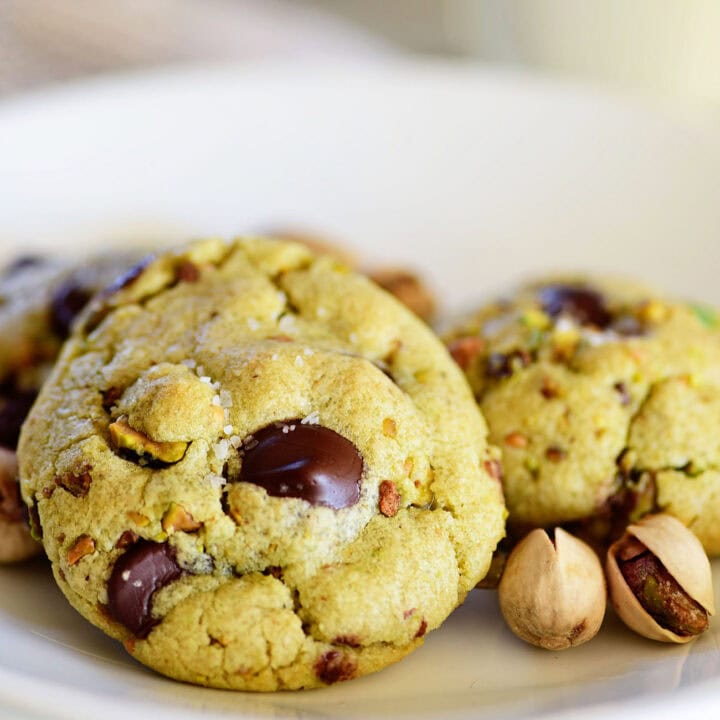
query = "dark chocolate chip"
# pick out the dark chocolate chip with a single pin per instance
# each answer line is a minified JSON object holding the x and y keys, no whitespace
{"x":67,"y":302}
{"x":309,"y":462}
{"x":142,"y":570}
{"x":333,"y":666}
{"x":585,"y":305}
{"x":14,"y":406}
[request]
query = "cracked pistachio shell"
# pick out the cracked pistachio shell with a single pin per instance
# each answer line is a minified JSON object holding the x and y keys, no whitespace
{"x":552,"y":594}
{"x":684,"y":558}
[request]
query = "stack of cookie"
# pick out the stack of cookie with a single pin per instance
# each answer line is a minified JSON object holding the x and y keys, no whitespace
{"x":259,"y":470}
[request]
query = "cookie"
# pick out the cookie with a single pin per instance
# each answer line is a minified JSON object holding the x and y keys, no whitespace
{"x":259,"y":471}
{"x":39,"y":299}
{"x":605,"y":400}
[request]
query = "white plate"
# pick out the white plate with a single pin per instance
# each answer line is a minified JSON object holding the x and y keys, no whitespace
{"x":475,"y":178}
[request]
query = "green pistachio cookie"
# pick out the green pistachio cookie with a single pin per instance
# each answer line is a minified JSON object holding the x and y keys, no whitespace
{"x":605,"y":401}
{"x":39,"y":299}
{"x":258,"y":470}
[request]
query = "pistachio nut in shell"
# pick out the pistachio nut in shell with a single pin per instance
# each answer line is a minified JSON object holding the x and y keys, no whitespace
{"x":660,"y":580}
{"x":552,"y":593}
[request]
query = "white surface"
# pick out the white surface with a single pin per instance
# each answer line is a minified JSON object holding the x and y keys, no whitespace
{"x":477,"y":179}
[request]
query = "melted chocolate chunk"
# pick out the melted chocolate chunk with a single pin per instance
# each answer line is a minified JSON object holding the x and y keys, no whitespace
{"x":14,"y":406}
{"x":308,"y":462}
{"x":145,"y":568}
{"x":583,"y":304}
{"x":67,"y":302}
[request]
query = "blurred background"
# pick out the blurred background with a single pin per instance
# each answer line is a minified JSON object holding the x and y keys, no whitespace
{"x":658,"y":49}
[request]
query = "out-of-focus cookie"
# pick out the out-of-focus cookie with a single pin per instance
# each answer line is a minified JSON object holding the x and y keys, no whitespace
{"x":605,"y":400}
{"x":39,"y":299}
{"x":260,"y":471}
